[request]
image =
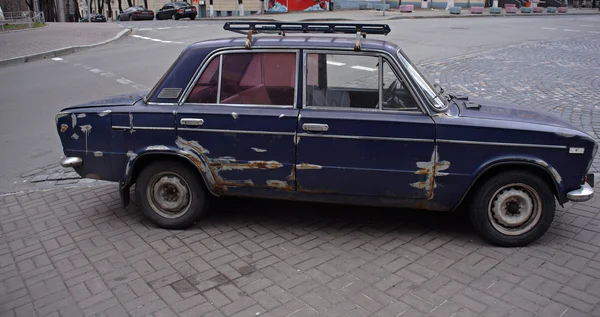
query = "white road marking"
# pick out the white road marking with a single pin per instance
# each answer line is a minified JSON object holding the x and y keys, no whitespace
{"x":182,"y":27}
{"x":156,"y":40}
{"x":177,"y":42}
{"x":167,"y":41}
{"x":107,"y":75}
{"x":164,"y":28}
{"x":144,"y":37}
{"x":369,"y":69}
{"x":335,"y":63}
{"x":569,"y":30}
{"x":145,"y":29}
{"x":548,"y":28}
{"x":595,"y":32}
{"x":57,"y":59}
{"x":135,"y":35}
{"x":96,"y":70}
{"x":124,"y":81}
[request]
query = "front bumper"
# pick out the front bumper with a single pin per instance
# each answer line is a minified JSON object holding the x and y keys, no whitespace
{"x":583,"y":193}
{"x":71,"y":162}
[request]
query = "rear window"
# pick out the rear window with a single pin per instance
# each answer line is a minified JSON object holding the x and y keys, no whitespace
{"x":248,"y":78}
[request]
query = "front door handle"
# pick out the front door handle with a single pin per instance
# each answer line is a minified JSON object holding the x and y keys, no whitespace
{"x":315,"y":127}
{"x":194,"y":122}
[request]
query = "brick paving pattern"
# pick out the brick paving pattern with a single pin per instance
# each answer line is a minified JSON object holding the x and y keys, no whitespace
{"x":55,"y":36}
{"x":77,"y":252}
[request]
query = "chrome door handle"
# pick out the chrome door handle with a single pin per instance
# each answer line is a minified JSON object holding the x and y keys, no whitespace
{"x":195,"y":122}
{"x":315,"y":127}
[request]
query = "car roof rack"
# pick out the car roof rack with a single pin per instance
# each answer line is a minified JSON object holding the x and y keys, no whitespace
{"x":281,"y":28}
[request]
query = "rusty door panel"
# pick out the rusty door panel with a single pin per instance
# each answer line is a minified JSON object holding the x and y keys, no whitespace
{"x":380,"y":154}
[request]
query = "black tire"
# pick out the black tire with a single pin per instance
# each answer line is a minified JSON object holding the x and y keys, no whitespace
{"x":192,"y":18}
{"x":501,"y":200}
{"x":152,"y":178}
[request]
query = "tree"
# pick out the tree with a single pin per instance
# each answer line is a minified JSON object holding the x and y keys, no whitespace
{"x":29,"y":4}
{"x":109,"y":8}
{"x":120,"y":7}
{"x":129,"y":3}
{"x":146,"y":4}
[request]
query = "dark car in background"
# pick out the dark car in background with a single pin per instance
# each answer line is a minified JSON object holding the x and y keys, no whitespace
{"x":136,"y":13}
{"x":176,"y":11}
{"x":95,"y":17}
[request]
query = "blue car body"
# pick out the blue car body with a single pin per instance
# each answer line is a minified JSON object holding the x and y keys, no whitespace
{"x":427,"y":160}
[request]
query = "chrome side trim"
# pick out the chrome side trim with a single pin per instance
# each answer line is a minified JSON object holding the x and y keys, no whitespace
{"x":360,"y":137}
{"x":545,"y":146}
{"x":162,"y":103}
{"x":583,"y":193}
{"x":237,"y":131}
{"x":121,"y":127}
{"x":236,"y":105}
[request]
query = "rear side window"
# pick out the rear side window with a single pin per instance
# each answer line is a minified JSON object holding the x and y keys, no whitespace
{"x":249,"y":79}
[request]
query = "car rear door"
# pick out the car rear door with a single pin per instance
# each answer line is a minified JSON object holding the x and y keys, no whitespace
{"x":348,"y":143}
{"x":241,"y":116}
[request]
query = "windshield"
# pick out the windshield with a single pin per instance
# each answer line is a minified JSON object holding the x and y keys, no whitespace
{"x":429,"y":91}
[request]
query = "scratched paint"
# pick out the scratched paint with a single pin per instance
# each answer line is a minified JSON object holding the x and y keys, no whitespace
{"x":60,"y":115}
{"x":211,"y":168}
{"x":281,"y":116}
{"x":553,"y":171}
{"x":75,"y":136}
{"x":278,"y":184}
{"x":73,"y":120}
{"x":306,"y":166}
{"x":104,"y":113}
{"x":86,"y":129}
{"x":81,"y":115}
{"x":156,"y":148}
{"x":255,"y":149}
{"x":132,"y":157}
{"x":98,"y":154}
{"x":432,"y":169}
{"x":63,"y":128}
{"x":234,"y":115}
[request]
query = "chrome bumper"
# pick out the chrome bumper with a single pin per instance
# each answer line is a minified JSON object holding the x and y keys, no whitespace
{"x":71,"y":162}
{"x":584,"y":193}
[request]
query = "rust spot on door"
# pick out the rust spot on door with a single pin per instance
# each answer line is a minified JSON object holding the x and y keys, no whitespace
{"x":432,"y":169}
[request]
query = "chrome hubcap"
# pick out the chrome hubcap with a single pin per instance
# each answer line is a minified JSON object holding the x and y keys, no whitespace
{"x":515,"y":209}
{"x":169,"y":195}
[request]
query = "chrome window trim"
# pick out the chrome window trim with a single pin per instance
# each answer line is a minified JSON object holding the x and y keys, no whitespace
{"x":219,"y":80}
{"x":239,"y":131}
{"x":380,"y":80}
{"x":162,"y":103}
{"x":431,"y":107}
{"x":545,"y":146}
{"x":121,"y":127}
{"x":219,"y":53}
{"x":422,"y":107}
{"x":361,"y":137}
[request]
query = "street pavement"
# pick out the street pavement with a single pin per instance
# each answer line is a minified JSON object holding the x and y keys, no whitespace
{"x":54,"y":36}
{"x":71,"y":249}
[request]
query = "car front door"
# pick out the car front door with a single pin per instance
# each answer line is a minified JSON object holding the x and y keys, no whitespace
{"x":167,"y":11}
{"x":240,"y":119}
{"x":352,"y":143}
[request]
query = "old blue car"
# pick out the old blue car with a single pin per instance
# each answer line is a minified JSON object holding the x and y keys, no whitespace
{"x":326,"y":118}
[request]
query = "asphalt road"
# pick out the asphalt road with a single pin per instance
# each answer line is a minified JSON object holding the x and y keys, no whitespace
{"x":31,"y":94}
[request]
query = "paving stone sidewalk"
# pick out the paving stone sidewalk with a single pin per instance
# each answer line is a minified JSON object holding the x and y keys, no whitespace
{"x":77,"y":252}
{"x":53,"y":37}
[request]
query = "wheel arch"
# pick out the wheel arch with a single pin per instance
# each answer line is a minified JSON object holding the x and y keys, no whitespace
{"x":146,"y":158}
{"x":538,"y":168}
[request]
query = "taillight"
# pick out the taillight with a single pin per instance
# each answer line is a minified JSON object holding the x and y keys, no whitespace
{"x":179,"y":10}
{"x":194,"y":8}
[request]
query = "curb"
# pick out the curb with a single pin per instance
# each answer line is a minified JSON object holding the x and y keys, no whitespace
{"x":61,"y":51}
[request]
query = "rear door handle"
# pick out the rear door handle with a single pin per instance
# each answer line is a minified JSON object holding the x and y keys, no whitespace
{"x":315,"y":127}
{"x":190,"y":122}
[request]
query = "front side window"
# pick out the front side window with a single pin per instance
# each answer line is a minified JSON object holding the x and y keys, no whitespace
{"x":396,"y":95}
{"x":248,"y":79}
{"x":429,"y":91}
{"x":346,"y":81}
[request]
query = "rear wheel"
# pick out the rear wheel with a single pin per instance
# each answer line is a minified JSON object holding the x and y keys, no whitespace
{"x":171,"y":195}
{"x":193,"y":17}
{"x":513,"y":209}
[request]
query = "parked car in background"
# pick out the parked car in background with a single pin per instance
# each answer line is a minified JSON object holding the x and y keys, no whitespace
{"x":95,"y":17}
{"x":136,"y":13}
{"x":326,"y":119}
{"x":176,"y":11}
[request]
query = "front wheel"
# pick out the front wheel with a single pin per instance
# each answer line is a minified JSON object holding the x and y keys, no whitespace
{"x":513,"y":209}
{"x":171,"y":195}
